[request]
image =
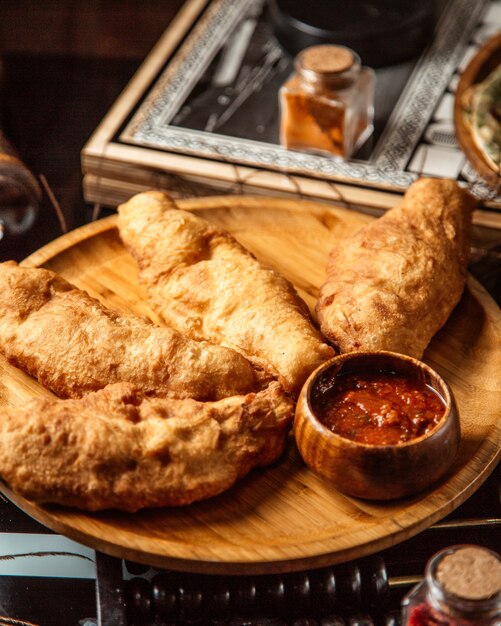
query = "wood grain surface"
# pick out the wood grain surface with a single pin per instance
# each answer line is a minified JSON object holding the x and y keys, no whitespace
{"x":481,"y":65}
{"x":281,"y":518}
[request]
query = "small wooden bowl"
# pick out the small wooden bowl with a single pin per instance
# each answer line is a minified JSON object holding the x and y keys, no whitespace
{"x":377,"y":472}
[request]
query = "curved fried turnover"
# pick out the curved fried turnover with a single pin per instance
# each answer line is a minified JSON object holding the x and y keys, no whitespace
{"x":74,"y":345}
{"x":205,"y":284}
{"x":116,"y":448}
{"x":394,"y":283}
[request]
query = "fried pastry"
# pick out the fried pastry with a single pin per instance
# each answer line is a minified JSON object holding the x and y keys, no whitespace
{"x":202,"y":282}
{"x":74,"y":345}
{"x":116,"y":448}
{"x":393,"y":284}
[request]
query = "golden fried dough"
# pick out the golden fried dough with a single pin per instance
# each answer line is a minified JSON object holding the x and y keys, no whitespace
{"x":393,"y":284}
{"x":205,"y":284}
{"x":73,"y":344}
{"x":116,"y":448}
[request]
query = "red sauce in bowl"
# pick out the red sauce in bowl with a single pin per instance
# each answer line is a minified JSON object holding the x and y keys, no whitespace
{"x":380,"y":408}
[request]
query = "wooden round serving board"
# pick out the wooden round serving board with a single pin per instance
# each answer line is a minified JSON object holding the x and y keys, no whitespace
{"x":283,"y":517}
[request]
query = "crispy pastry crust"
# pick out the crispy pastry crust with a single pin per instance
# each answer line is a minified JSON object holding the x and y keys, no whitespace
{"x":116,"y":448}
{"x":74,"y":345}
{"x":394,"y":284}
{"x":204,"y":283}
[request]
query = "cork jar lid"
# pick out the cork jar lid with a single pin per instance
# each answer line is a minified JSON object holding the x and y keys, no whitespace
{"x":327,"y":59}
{"x":471,"y":572}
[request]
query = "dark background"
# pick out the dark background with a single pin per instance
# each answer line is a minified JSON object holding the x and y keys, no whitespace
{"x":64,"y":63}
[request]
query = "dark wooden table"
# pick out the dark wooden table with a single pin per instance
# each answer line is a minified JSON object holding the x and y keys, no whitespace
{"x":63,"y":67}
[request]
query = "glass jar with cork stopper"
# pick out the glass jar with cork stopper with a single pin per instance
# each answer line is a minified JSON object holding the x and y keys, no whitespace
{"x":326,"y":106}
{"x":461,"y":587}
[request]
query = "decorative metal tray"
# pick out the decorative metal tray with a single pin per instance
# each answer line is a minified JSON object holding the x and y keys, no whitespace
{"x":206,"y":112}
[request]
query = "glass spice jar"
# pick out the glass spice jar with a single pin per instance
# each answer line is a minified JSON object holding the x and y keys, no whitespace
{"x":461,"y":587}
{"x":326,"y":106}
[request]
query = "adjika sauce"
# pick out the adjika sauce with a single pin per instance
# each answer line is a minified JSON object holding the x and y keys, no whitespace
{"x":380,"y":408}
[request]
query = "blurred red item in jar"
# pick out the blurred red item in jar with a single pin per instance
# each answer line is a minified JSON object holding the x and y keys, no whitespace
{"x":461,"y":587}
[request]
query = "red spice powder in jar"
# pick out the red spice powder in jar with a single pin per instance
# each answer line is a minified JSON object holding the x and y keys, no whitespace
{"x":380,"y":408}
{"x":461,"y":587}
